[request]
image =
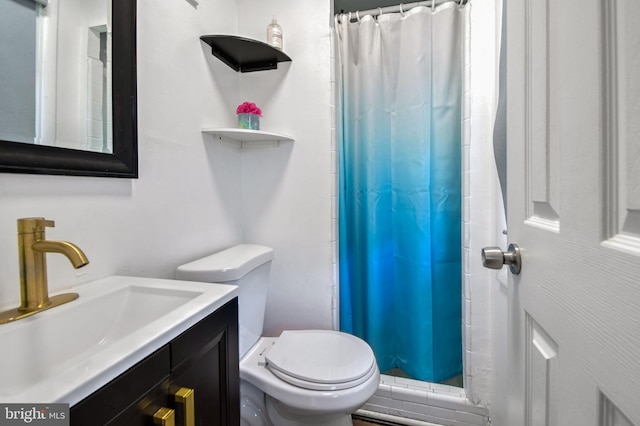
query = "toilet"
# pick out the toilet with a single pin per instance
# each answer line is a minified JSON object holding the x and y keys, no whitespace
{"x":302,"y":377}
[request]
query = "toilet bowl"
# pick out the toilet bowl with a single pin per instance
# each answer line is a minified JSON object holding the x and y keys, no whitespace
{"x":305,"y":386}
{"x":302,"y":377}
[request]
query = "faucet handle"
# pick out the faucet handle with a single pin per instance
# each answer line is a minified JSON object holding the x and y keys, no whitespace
{"x":30,"y":225}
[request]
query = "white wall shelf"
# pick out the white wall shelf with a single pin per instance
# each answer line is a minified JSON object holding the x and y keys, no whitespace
{"x":250,"y":137}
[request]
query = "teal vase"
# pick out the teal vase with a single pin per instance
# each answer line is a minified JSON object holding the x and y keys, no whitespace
{"x":249,"y":121}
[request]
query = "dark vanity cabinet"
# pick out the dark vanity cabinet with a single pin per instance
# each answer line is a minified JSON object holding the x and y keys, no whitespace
{"x":192,"y":380}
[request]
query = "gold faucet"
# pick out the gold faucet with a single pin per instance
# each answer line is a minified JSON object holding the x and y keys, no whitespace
{"x":34,"y":291}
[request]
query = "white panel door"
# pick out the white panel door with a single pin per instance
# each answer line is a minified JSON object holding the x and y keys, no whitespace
{"x":574,"y":209}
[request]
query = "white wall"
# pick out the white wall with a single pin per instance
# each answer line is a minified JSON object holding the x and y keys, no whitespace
{"x":287,"y":190}
{"x":186,"y":201}
{"x":196,"y":193}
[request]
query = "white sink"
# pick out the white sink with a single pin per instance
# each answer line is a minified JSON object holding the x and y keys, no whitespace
{"x":65,"y":353}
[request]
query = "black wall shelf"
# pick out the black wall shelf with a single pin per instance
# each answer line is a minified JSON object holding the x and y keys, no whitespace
{"x":244,"y":54}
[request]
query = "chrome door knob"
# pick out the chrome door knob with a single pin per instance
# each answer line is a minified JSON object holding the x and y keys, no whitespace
{"x":494,"y":258}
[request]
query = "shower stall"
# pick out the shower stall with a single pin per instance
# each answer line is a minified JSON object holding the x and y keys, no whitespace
{"x":416,"y":104}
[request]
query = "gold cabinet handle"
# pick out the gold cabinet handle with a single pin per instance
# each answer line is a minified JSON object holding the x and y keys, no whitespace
{"x":185,"y":400}
{"x":165,"y":417}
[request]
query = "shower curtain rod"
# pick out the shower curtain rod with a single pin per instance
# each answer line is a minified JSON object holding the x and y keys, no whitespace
{"x":402,"y":7}
{"x":41,"y":2}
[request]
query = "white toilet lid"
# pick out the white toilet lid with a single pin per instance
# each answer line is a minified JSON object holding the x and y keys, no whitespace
{"x":321,"y":359}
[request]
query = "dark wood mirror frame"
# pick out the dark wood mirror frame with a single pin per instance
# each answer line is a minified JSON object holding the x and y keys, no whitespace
{"x":18,"y":157}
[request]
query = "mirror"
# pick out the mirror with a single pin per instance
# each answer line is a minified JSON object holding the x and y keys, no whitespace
{"x":117,"y":155}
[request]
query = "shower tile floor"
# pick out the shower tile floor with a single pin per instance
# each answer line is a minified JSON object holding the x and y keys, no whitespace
{"x":397,"y":372}
{"x":401,"y":400}
{"x":455,"y":381}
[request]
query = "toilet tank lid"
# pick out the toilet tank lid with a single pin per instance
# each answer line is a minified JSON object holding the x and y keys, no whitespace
{"x":226,"y":265}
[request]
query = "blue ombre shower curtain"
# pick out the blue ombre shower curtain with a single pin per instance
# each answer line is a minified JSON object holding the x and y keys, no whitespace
{"x":399,"y":132}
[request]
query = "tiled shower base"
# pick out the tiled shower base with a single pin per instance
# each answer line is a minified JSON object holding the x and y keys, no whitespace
{"x":454,"y":381}
{"x":412,"y":402}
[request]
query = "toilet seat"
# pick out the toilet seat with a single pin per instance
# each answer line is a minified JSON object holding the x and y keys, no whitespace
{"x":254,"y":370}
{"x":323,"y":386}
{"x":321,"y":360}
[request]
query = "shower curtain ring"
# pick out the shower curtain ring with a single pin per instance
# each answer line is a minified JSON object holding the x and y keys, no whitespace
{"x":358,"y":16}
{"x":401,"y":11}
{"x":379,"y":11}
{"x":349,"y":20}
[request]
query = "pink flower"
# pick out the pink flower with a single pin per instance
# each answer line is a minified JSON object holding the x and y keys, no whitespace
{"x":248,"y":108}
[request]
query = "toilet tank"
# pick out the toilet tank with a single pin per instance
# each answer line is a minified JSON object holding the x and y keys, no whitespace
{"x":248,"y":267}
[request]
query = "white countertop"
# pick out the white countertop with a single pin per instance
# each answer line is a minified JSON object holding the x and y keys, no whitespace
{"x":66,"y":353}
